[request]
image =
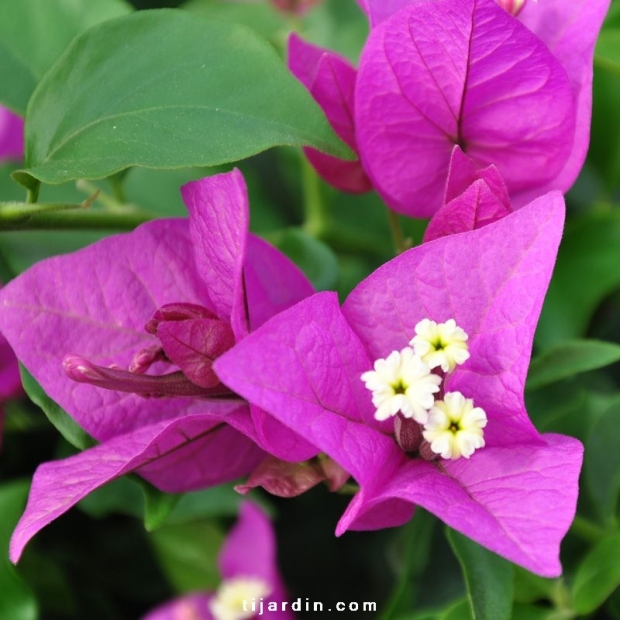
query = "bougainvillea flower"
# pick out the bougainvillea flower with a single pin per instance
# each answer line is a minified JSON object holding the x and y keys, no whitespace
{"x":247,"y":563}
{"x":517,"y":494}
{"x":11,"y":135}
{"x":330,"y":78}
{"x":162,"y":302}
{"x":438,"y":74}
{"x":474,"y":197}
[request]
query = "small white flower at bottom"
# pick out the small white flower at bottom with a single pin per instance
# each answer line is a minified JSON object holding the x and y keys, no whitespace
{"x":454,"y":427}
{"x":232,"y":593}
{"x":440,"y":344}
{"x":402,"y":382}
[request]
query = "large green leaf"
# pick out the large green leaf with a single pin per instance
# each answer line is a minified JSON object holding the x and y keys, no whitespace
{"x":586,"y":271}
{"x":16,"y":600}
{"x":65,"y":425}
{"x":598,"y":576}
{"x":33,"y":34}
{"x":165,"y":89}
{"x":570,"y":358}
{"x":489,"y":578}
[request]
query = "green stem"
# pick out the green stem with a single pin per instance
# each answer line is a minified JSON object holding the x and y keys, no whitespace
{"x":116,"y":183}
{"x":587,"y":530}
{"x":400,"y":243}
{"x":66,"y":216}
{"x":32,"y":193}
{"x":316,"y":212}
{"x":348,"y":489}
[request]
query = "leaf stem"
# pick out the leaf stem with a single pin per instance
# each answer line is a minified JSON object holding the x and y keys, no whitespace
{"x":32,"y":193}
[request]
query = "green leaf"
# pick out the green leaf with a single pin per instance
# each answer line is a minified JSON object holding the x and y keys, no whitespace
{"x":312,"y":256}
{"x":157,"y":504}
{"x":488,"y":577}
{"x":571,"y":358}
{"x":586,"y":271}
{"x":597,"y":576}
{"x":16,"y":600}
{"x":602,"y":460}
{"x":218,"y":501}
{"x":33,"y":34}
{"x":199,"y":93}
{"x":608,"y":49}
{"x":63,"y":422}
{"x":188,"y":555}
{"x":459,"y":611}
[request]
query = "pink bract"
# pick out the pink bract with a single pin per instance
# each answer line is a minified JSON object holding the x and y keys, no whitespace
{"x":201,"y":282}
{"x":514,"y":92}
{"x":516,"y":496}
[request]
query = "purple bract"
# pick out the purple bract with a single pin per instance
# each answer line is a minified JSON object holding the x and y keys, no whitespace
{"x":144,"y":315}
{"x":512,"y":91}
{"x":517,"y":495}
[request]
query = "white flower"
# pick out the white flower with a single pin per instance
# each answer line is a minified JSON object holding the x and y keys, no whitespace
{"x":402,"y":382}
{"x":227,"y":604}
{"x":443,"y":344}
{"x":454,"y":427}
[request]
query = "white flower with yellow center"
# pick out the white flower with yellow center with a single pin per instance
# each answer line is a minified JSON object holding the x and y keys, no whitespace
{"x":454,"y":427}
{"x":440,"y":344}
{"x":402,"y":382}
{"x":228,"y":602}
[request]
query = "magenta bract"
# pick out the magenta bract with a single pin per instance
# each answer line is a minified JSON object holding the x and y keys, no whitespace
{"x":145,"y":314}
{"x":512,"y":91}
{"x":517,"y":495}
{"x":331,"y":81}
{"x":474,"y":198}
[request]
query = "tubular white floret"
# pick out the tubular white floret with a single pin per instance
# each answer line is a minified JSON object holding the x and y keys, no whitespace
{"x":441,"y":345}
{"x":227,"y":604}
{"x":454,"y":427}
{"x":402,"y":382}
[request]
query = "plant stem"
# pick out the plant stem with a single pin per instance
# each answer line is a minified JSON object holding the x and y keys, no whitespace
{"x":32,"y":193}
{"x":400,"y":243}
{"x":315,"y":211}
{"x":67,"y":216}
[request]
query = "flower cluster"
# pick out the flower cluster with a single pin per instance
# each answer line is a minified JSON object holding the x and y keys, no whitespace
{"x":404,"y":385}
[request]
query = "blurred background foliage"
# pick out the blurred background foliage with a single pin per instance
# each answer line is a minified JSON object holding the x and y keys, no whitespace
{"x":100,"y":562}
